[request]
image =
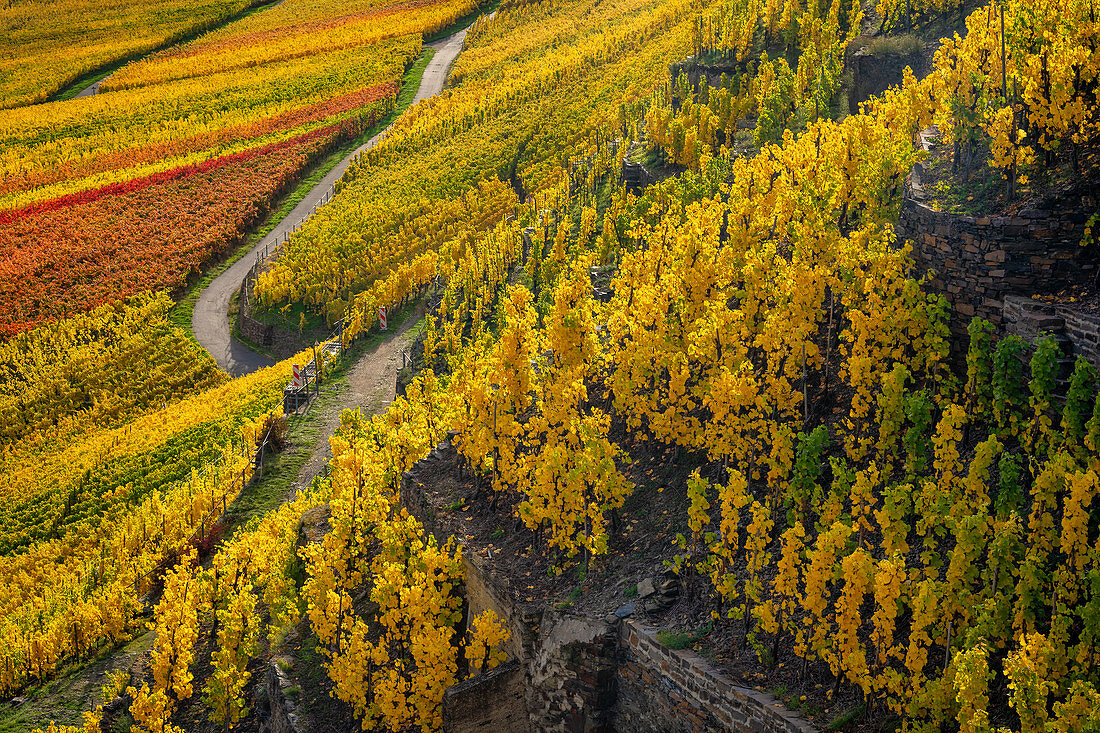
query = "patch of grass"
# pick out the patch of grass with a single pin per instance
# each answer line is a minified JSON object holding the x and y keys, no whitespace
{"x":631,"y":592}
{"x":122,"y":723}
{"x":497,"y":533}
{"x":683,"y":639}
{"x":569,"y":599}
{"x":845,"y":719}
{"x":904,"y":45}
{"x":950,"y":189}
{"x":676,"y":639}
{"x":312,"y":661}
{"x":76,"y":689}
{"x":280,"y":471}
{"x":81,"y":83}
{"x":457,"y":504}
{"x":789,"y":700}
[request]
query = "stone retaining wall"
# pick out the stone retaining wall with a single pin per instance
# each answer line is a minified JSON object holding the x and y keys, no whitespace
{"x":571,"y":680}
{"x":486,"y":590}
{"x":977,"y":261}
{"x":679,"y":691}
{"x":583,"y":674}
{"x":255,"y":331}
{"x":873,"y":74}
{"x":490,"y":702}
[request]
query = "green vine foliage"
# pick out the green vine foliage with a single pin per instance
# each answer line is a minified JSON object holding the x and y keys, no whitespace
{"x":891,"y":411}
{"x":1092,"y":429}
{"x":805,"y":490}
{"x":1010,"y":488}
{"x":1009,"y":396}
{"x":1044,"y":374}
{"x":1079,"y":402}
{"x":979,"y":369}
{"x":918,"y":411}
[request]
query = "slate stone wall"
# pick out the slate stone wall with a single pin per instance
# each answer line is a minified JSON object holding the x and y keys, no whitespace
{"x":978,"y":261}
{"x":490,"y":702}
{"x":874,"y":74}
{"x":579,"y":674}
{"x":1029,"y":318}
{"x":679,"y":691}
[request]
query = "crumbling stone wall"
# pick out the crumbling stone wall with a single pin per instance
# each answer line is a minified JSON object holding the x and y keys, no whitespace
{"x":582,"y":674}
{"x":571,"y":679}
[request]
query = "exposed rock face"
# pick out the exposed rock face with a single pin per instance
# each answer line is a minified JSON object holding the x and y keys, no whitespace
{"x":873,"y":74}
{"x":314,"y":525}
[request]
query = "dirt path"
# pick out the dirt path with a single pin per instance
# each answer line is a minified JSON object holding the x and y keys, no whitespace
{"x":210,"y":320}
{"x":371,"y":386}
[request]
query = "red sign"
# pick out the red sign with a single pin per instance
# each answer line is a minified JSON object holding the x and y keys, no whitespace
{"x":382,"y":317}
{"x":297,"y":376}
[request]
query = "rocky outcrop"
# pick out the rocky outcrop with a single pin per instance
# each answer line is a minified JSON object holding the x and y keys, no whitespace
{"x":873,"y":74}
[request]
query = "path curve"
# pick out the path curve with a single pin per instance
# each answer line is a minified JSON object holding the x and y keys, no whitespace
{"x":210,"y":320}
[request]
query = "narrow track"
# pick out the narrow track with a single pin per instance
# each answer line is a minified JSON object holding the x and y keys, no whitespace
{"x":210,"y":320}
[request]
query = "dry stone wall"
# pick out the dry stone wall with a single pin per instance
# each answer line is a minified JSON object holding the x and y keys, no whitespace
{"x":873,"y":74}
{"x":680,"y":691}
{"x":1030,"y":318}
{"x":491,"y":702}
{"x":979,"y":260}
{"x":256,"y":331}
{"x":572,"y":677}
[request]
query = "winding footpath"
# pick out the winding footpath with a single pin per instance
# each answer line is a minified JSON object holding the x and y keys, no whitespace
{"x":210,"y":320}
{"x":93,"y":89}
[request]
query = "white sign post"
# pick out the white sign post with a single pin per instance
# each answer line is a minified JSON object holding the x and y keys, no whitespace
{"x":382,"y":318}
